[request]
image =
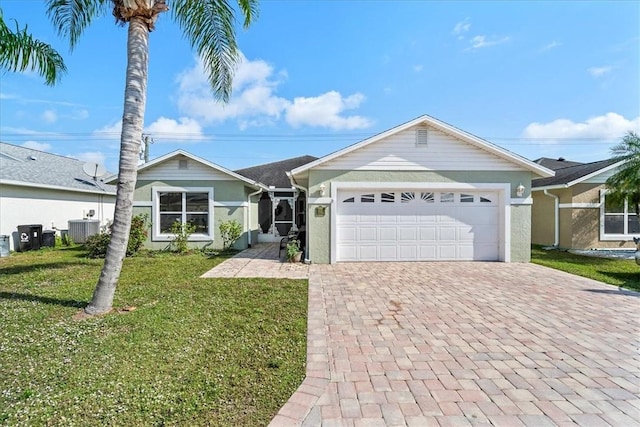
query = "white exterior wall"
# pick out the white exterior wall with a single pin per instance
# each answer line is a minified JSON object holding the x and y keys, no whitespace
{"x":51,"y":208}
{"x":400,"y":152}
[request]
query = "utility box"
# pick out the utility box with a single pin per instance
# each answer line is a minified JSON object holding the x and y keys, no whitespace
{"x":48,"y":239}
{"x":81,"y":229}
{"x":29,"y":237}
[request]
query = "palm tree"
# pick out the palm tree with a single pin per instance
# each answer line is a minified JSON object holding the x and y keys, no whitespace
{"x":625,"y":183}
{"x":19,"y":52}
{"x":209,"y":25}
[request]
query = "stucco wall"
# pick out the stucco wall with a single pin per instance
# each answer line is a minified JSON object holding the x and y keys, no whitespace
{"x":521,"y":233}
{"x":223,"y":191}
{"x":320,"y":227}
{"x":50,"y":208}
{"x":542,"y":219}
{"x":579,"y":226}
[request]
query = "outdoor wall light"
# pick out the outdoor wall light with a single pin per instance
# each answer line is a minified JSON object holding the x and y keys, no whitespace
{"x":322,"y":189}
{"x":520,"y":190}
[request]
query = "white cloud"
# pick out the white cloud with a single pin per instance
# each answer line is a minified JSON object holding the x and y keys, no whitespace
{"x":181,"y":129}
{"x":554,"y":44}
{"x":253,"y":94}
{"x":461,"y":27}
{"x":325,"y":111}
{"x":110,"y":131}
{"x":91,"y":156}
{"x":608,"y":127}
{"x":254,"y":102}
{"x":35,"y":145}
{"x":478,"y":42}
{"x":417,"y":68}
{"x":49,"y":116}
{"x":599,"y":71}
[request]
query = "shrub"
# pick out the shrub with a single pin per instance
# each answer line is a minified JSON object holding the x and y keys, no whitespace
{"x":181,"y":233}
{"x":230,"y":232}
{"x":96,"y":245}
{"x":293,"y":248}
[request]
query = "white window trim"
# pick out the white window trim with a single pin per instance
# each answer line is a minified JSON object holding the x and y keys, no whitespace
{"x":156,"y":235}
{"x":612,"y":237}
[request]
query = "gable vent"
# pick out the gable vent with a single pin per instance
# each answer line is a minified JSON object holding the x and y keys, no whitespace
{"x":422,"y":136}
{"x":183,"y":164}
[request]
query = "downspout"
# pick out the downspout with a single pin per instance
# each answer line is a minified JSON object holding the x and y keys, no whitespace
{"x":306,"y":223}
{"x":556,"y":218}
{"x":249,"y":215}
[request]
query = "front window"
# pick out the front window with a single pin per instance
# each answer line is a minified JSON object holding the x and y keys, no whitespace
{"x":184,"y":205}
{"x":619,"y":218}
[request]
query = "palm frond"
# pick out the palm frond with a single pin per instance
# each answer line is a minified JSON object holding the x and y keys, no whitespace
{"x":71,"y":17}
{"x":209,"y":26}
{"x":625,"y":183}
{"x":20,"y":51}
{"x":250,"y":11}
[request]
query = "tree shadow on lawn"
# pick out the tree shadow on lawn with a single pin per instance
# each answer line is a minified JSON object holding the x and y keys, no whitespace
{"x":629,"y":280}
{"x":43,"y":300}
{"x":22,"y":269}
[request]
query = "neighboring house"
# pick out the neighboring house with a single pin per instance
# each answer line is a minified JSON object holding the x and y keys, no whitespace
{"x":571,"y":210}
{"x":181,"y":186}
{"x":281,"y":208}
{"x":423,"y":190}
{"x":49,"y":190}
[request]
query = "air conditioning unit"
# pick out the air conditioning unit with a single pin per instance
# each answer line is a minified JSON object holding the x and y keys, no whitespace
{"x":81,"y":229}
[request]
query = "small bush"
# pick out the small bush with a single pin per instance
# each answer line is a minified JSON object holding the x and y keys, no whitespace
{"x":181,"y":233}
{"x":230,"y":232}
{"x":96,"y":245}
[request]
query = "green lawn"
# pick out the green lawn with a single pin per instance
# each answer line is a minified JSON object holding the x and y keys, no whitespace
{"x":625,"y":273}
{"x":193,"y":352}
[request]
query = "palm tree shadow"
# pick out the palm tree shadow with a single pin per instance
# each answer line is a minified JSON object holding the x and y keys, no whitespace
{"x":21,"y":269}
{"x":43,"y":300}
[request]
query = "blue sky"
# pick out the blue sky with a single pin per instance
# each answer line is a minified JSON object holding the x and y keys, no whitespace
{"x":544,"y":78}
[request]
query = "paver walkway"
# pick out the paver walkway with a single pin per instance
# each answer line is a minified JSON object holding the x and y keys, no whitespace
{"x":444,"y":344}
{"x":261,"y":260}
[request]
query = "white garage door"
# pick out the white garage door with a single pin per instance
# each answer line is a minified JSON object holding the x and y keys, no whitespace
{"x":415,"y":225}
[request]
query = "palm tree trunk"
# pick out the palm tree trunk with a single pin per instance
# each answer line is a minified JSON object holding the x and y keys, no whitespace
{"x":135,"y":97}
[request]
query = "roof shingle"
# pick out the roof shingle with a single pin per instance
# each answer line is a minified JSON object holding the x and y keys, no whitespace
{"x":274,"y":174}
{"x":29,"y":166}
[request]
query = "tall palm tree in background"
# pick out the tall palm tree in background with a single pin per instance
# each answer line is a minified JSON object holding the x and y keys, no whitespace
{"x":625,"y":183}
{"x":20,"y":52}
{"x":209,"y":26}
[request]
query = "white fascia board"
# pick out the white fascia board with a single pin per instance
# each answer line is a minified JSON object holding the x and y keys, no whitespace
{"x":444,"y":127}
{"x":195,"y":158}
{"x":348,"y":185}
{"x":550,"y":187}
{"x":596,"y":173}
{"x":54,"y":187}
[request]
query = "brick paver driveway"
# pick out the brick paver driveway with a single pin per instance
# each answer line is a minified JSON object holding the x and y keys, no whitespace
{"x":466,"y":344}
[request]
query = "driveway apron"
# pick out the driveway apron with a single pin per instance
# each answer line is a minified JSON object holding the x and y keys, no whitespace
{"x":441,"y":344}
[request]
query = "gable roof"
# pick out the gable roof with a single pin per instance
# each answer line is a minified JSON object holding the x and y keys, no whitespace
{"x":275,"y":173}
{"x":571,"y":175}
{"x":195,"y":158}
{"x":555,"y":164}
{"x":443,"y":127}
{"x":33,"y":168}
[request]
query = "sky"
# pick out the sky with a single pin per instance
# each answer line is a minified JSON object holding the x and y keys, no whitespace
{"x":538,"y":78}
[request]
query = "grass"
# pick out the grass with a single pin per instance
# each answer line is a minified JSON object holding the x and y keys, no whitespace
{"x":193,"y":352}
{"x":619,"y":272}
